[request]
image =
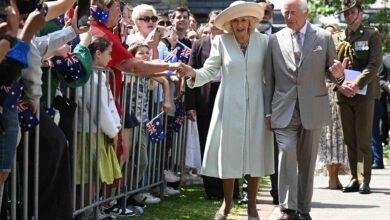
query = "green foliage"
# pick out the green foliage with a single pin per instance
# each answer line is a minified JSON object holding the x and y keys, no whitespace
{"x":380,"y":19}
{"x":322,"y":7}
{"x":386,"y":152}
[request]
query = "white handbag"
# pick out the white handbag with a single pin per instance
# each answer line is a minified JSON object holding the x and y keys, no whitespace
{"x":193,"y":157}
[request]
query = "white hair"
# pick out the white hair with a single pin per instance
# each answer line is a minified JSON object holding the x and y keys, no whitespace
{"x":302,"y":4}
{"x":139,"y":9}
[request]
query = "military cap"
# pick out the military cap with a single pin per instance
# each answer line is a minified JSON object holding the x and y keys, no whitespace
{"x":348,"y":4}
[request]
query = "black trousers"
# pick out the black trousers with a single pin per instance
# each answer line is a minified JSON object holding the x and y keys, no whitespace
{"x":274,"y":177}
{"x":54,"y":188}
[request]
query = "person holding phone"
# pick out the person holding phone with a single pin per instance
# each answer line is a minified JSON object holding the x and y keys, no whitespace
{"x":145,"y":24}
{"x":83,"y":13}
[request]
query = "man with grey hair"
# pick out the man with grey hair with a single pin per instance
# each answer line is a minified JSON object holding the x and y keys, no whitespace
{"x":296,"y":102}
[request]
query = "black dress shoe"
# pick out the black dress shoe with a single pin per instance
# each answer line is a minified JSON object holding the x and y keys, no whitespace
{"x":353,"y":186}
{"x":304,"y":216}
{"x":364,"y":189}
{"x":377,"y":166}
{"x":289,"y":214}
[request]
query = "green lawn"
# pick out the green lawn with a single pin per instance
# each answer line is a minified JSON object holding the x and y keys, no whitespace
{"x":386,"y":153}
{"x":189,"y":204}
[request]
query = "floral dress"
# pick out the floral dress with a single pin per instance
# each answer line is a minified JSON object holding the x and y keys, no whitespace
{"x":332,"y":149}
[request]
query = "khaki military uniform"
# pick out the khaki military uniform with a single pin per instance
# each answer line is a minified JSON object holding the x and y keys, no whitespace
{"x":357,"y":112}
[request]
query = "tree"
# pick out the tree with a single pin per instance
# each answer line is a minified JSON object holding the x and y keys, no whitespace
{"x":379,"y":19}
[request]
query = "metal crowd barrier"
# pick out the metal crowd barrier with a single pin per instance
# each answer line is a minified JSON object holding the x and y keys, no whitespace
{"x":160,"y":155}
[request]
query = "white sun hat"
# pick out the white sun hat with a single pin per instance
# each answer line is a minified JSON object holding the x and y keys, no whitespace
{"x":238,"y":9}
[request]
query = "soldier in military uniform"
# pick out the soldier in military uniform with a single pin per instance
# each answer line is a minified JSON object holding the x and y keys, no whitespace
{"x":362,"y":51}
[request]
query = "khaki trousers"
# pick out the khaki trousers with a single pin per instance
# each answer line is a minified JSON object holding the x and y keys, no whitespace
{"x":357,"y":118}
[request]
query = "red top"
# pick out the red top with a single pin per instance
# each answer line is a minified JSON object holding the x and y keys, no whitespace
{"x":119,"y":54}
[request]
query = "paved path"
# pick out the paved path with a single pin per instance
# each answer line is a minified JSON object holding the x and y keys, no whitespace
{"x":334,"y":204}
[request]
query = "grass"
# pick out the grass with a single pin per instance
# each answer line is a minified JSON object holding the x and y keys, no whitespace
{"x":386,"y":152}
{"x":189,"y":204}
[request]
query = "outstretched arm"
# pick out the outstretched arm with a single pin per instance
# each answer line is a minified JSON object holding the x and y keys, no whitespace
{"x":58,"y":8}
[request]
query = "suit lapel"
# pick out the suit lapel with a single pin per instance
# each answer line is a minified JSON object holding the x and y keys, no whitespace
{"x":285,"y":44}
{"x":310,"y":37}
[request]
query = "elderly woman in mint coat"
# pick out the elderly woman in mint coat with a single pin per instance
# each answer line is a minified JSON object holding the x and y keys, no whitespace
{"x":238,"y":142}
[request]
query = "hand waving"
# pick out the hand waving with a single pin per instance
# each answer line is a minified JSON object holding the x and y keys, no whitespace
{"x":12,"y":19}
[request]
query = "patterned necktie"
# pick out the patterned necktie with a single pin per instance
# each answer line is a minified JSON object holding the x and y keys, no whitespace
{"x":297,"y":44}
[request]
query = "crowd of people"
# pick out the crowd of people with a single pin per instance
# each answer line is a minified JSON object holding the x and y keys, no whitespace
{"x":260,"y":107}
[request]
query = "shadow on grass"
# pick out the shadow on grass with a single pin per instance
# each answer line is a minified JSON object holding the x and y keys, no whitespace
{"x":189,"y":204}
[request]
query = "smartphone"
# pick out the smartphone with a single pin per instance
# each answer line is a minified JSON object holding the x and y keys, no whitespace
{"x":168,"y":32}
{"x":158,"y":32}
{"x":83,"y":13}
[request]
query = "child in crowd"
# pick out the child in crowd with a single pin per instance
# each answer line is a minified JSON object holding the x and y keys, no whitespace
{"x":140,"y":106}
{"x":109,"y":120}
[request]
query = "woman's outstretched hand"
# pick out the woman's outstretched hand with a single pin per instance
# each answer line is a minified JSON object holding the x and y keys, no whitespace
{"x":186,"y":71}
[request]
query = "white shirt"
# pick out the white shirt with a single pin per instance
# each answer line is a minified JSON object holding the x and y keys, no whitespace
{"x":302,"y":33}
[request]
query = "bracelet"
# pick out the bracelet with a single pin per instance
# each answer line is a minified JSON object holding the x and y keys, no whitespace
{"x":12,"y":40}
{"x":340,"y":80}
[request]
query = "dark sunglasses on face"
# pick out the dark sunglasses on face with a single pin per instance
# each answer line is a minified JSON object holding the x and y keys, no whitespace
{"x":164,"y":23}
{"x":147,"y":18}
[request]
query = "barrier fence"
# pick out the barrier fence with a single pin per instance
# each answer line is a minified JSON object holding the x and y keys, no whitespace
{"x":142,"y":162}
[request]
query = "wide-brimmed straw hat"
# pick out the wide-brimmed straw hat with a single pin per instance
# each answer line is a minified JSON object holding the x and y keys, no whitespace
{"x":348,"y":4}
{"x":238,"y":9}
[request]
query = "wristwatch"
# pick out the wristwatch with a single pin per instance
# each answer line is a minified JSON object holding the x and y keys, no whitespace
{"x":12,"y":40}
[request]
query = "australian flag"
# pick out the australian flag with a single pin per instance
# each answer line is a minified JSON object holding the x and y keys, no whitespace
{"x":69,"y":67}
{"x":175,"y":123}
{"x":11,"y":95}
{"x":100,"y":15}
{"x":180,"y":53}
{"x":27,"y":119}
{"x":156,"y":130}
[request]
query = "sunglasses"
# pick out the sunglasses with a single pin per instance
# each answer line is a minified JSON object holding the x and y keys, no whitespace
{"x":147,"y":19}
{"x":164,"y":23}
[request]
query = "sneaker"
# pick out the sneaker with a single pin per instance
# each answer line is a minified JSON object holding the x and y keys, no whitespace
{"x":118,"y":211}
{"x":127,"y":212}
{"x":137,"y":209}
{"x":131,"y":201}
{"x":103,"y":216}
{"x":191,"y":179}
{"x":146,"y":198}
{"x":170,"y":176}
{"x":170,"y":191}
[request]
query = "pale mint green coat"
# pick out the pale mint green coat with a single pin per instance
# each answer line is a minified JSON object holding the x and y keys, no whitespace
{"x":238,"y":142}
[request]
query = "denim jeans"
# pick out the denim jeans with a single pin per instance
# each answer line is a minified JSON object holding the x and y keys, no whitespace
{"x":8,"y":140}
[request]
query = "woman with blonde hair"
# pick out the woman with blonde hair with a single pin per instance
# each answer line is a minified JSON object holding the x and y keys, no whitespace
{"x":238,"y":143}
